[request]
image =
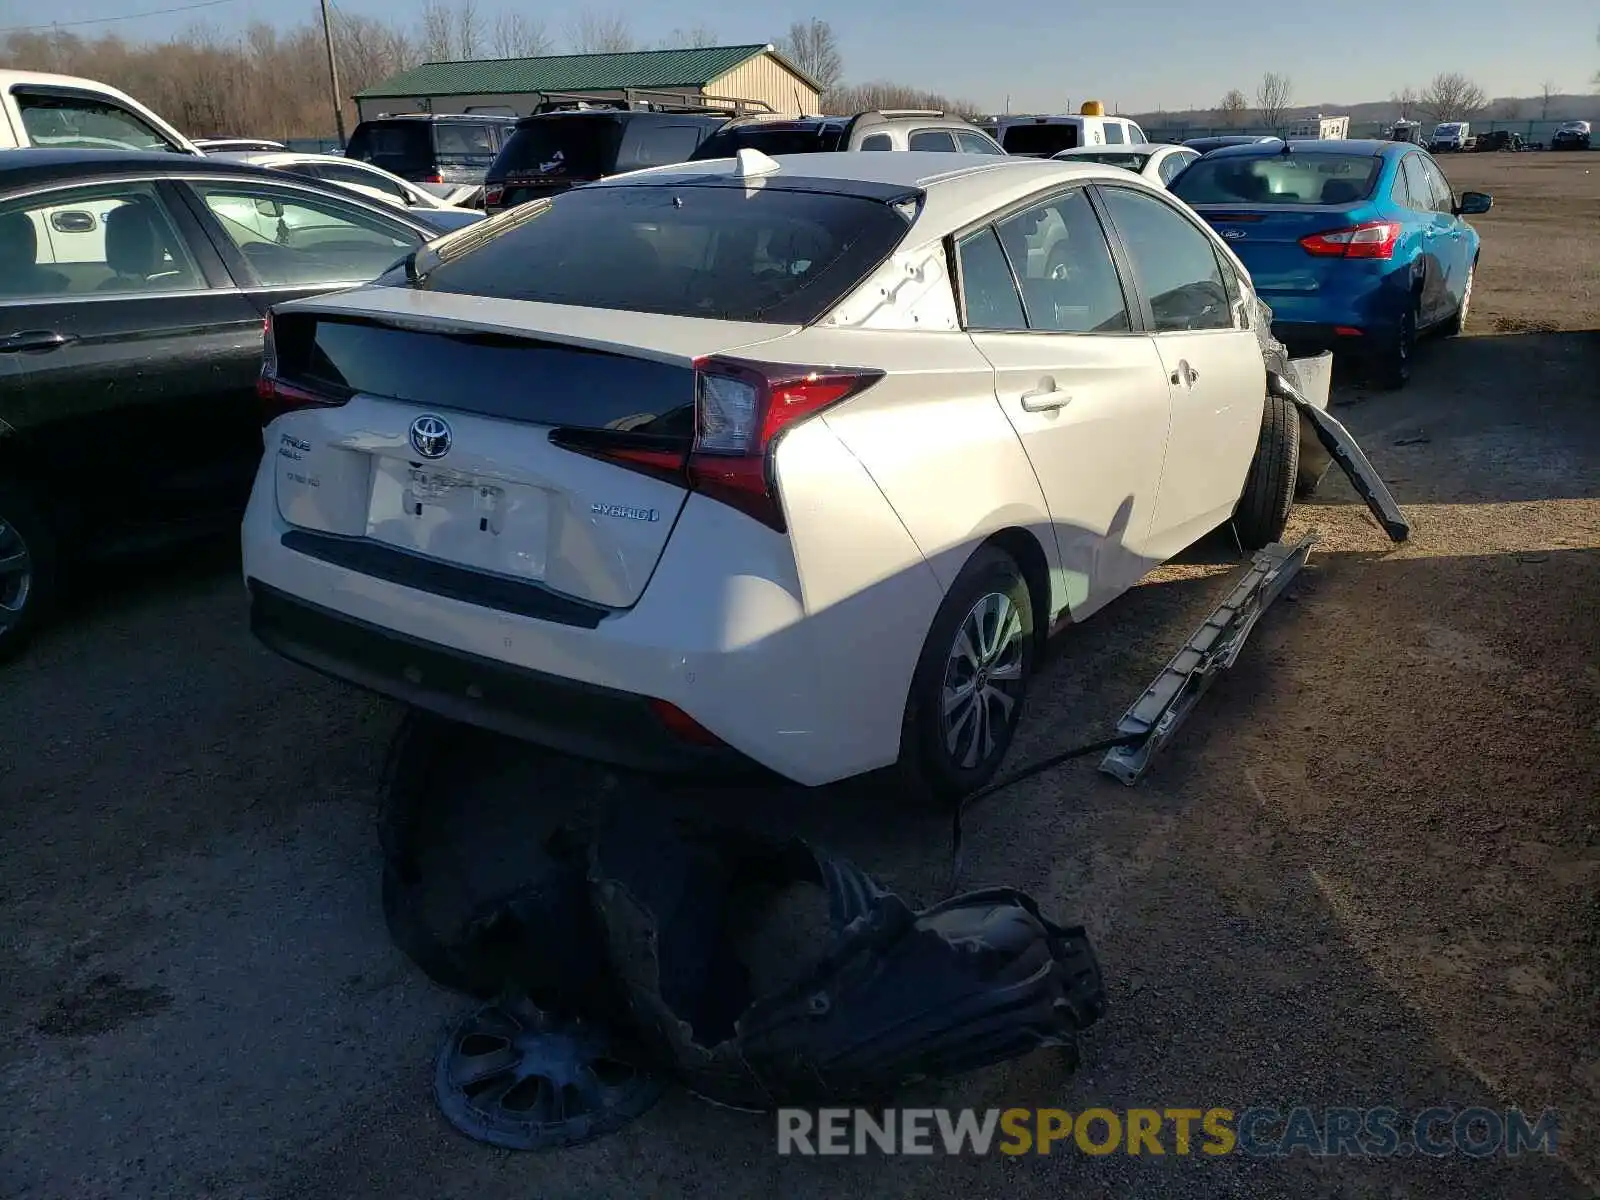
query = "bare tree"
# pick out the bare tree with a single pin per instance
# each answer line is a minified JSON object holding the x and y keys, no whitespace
{"x":1272,"y":98}
{"x":601,"y":33}
{"x":861,"y":97}
{"x":814,"y":48}
{"x":1405,"y":100}
{"x":691,"y":39}
{"x":1233,"y":107}
{"x":469,"y":29}
{"x":1507,"y":108}
{"x":1547,"y":92}
{"x":517,"y":35}
{"x":1451,"y":96}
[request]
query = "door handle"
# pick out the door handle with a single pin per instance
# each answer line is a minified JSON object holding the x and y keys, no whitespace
{"x":1185,"y":375}
{"x":1045,"y":398}
{"x":32,"y":340}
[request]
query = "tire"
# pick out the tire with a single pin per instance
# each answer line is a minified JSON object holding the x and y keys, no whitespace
{"x":1391,"y":366}
{"x":1457,"y":325}
{"x":940,"y":762}
{"x":27,"y":569}
{"x":1263,"y":509}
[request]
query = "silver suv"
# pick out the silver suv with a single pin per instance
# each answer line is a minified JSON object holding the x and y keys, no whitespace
{"x":877,"y":129}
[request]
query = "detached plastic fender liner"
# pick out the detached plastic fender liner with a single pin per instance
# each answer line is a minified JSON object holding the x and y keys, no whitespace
{"x":895,"y":996}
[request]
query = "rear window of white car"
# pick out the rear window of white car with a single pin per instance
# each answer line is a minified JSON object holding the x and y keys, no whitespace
{"x":1279,"y":179}
{"x":728,"y":253}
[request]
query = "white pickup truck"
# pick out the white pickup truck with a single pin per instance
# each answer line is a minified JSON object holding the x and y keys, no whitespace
{"x":67,"y":112}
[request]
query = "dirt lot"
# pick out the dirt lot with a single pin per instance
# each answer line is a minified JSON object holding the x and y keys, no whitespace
{"x":1367,"y":874}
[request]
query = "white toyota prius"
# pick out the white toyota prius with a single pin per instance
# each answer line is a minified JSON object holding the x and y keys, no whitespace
{"x":783,"y":462}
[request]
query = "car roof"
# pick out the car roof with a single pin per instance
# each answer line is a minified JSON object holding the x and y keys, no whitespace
{"x":1123,"y":148}
{"x":958,"y":188}
{"x":440,"y":117}
{"x":36,"y":162}
{"x":1373,"y":146}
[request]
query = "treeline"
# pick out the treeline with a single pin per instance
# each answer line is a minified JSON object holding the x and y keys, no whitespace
{"x":272,"y":82}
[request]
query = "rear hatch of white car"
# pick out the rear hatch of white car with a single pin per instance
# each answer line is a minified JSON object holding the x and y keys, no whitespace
{"x":538,"y":409}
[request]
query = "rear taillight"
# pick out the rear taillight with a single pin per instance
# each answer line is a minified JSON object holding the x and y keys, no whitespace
{"x":492,"y":196}
{"x":276,"y":396}
{"x":682,"y":726}
{"x":741,"y":410}
{"x":433,"y":178}
{"x":1372,"y":239}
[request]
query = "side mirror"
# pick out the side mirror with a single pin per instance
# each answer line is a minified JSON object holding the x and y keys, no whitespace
{"x":269,"y":208}
{"x":1474,"y":204}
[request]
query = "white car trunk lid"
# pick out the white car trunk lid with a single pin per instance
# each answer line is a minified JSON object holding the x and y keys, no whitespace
{"x":465,"y":449}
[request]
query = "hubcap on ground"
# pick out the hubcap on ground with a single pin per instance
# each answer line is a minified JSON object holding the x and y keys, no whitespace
{"x":982,"y":679}
{"x":16,"y":575}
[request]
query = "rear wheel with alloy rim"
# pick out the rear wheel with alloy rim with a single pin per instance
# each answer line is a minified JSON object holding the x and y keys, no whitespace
{"x":970,"y":683}
{"x":27,"y":562}
{"x":1392,"y":364}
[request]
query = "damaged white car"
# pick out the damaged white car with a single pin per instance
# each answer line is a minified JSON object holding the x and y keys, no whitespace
{"x":790,"y":462}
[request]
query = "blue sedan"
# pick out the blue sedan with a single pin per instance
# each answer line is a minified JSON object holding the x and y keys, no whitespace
{"x":1358,"y":246}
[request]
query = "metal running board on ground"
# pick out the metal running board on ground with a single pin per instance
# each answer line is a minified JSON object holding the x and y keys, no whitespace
{"x":1213,"y":648}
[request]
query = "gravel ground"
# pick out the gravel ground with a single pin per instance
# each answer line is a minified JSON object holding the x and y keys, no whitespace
{"x":1366,"y":874}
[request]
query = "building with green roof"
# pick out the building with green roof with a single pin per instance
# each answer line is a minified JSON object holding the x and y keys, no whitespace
{"x":514,"y":86}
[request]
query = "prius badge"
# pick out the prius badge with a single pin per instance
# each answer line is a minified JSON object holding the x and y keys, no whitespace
{"x":430,"y":436}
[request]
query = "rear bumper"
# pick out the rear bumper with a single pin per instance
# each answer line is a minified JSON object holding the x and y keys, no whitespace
{"x":815,"y":693}
{"x":577,"y":718}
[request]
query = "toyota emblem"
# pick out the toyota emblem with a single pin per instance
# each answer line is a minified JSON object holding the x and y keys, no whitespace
{"x":430,"y":436}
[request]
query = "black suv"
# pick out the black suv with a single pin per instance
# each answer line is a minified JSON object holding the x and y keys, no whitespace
{"x":432,"y":147}
{"x":573,"y":139}
{"x":798,"y":135}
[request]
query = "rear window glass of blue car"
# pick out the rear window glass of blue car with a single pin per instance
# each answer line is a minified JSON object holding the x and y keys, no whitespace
{"x":728,"y":253}
{"x":1280,"y":179}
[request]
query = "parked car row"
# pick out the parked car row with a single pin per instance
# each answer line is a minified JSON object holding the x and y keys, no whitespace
{"x":133,"y":287}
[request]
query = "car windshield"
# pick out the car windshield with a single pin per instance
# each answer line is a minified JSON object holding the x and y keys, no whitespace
{"x":1039,"y":139}
{"x":1112,"y":158}
{"x":769,"y":139}
{"x":1279,"y":179}
{"x":584,"y":147}
{"x":685,"y":250}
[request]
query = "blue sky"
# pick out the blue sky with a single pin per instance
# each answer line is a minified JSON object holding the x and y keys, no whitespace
{"x":1136,"y":54}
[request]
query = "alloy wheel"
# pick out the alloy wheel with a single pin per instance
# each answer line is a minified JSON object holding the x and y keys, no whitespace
{"x":983,"y":680}
{"x":16,"y":576}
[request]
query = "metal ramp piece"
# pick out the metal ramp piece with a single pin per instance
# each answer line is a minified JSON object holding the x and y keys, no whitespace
{"x":1214,"y":647}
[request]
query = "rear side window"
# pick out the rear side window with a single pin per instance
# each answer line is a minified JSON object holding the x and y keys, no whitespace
{"x":580,"y":147}
{"x":779,"y":256}
{"x":1411,"y":185}
{"x":1039,"y":139}
{"x":877,"y":141}
{"x":398,"y":146}
{"x":1113,"y":134}
{"x":83,"y":122}
{"x":936,"y":140}
{"x":989,"y":298}
{"x":652,"y":145}
{"x":769,"y":139}
{"x":976,"y":143}
{"x":1280,"y":179}
{"x":1060,"y":256}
